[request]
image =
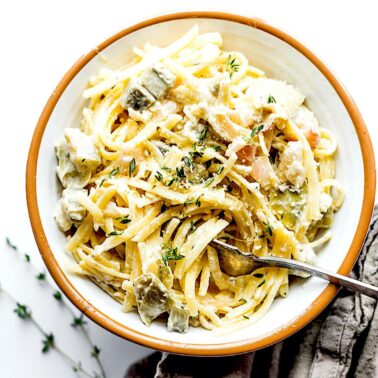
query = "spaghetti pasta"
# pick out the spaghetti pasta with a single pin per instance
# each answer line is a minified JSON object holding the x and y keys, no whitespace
{"x":184,"y":144}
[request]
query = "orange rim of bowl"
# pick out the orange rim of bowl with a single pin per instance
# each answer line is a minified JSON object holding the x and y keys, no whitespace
{"x":184,"y":348}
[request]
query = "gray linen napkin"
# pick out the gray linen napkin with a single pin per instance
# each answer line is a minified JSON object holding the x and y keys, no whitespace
{"x":341,"y":342}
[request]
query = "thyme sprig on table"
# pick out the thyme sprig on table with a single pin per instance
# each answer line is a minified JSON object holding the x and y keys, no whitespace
{"x":48,"y":341}
{"x":24,"y":312}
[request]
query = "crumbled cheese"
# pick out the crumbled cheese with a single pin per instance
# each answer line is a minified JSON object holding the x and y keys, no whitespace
{"x":325,"y":202}
{"x":286,"y":96}
{"x":190,"y":131}
{"x":292,"y":164}
{"x":306,"y":120}
{"x":309,"y":255}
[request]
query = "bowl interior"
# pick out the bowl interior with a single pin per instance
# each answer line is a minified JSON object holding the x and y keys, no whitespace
{"x":279,"y":60}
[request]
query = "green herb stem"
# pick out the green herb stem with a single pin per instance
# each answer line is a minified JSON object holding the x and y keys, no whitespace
{"x":80,"y":326}
{"x":76,"y":366}
{"x":45,"y":334}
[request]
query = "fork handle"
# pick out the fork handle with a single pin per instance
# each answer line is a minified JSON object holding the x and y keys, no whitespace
{"x":338,"y":279}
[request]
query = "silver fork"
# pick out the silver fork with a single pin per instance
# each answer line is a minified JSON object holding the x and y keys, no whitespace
{"x":236,"y":263}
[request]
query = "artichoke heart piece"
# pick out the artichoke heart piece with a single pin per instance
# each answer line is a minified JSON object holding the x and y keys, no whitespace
{"x":83,"y":152}
{"x":69,"y":210}
{"x":325,"y":222}
{"x":178,"y":320}
{"x":157,"y":80}
{"x":287,"y":205}
{"x":165,"y":275}
{"x":71,"y":204}
{"x":62,"y":218}
{"x":66,"y":170}
{"x":152,"y":297}
{"x":151,"y":86}
{"x":137,"y":97}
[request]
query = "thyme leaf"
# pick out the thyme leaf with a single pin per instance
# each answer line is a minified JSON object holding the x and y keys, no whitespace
{"x":254,"y":132}
{"x":271,"y":100}
{"x":208,"y":181}
{"x":202,"y":135}
{"x":123,"y":220}
{"x":187,"y":161}
{"x":58,"y":295}
{"x":22,"y":311}
{"x":48,"y":343}
{"x":41,"y":276}
{"x":220,"y":170}
{"x":10,"y":244}
{"x":198,"y":202}
{"x":132,"y":167}
{"x":193,"y":227}
{"x":268,"y":229}
{"x":115,"y":233}
{"x":78,"y":321}
{"x":216,"y":148}
{"x":95,"y":351}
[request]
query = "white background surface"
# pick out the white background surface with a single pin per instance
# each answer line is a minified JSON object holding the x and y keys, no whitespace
{"x":40,"y":40}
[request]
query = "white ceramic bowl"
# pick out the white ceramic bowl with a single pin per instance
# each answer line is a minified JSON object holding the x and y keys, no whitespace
{"x":281,"y":57}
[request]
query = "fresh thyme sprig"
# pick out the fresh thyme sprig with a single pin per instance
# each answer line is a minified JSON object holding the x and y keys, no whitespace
{"x":48,"y":341}
{"x":193,"y":200}
{"x":171,"y":175}
{"x":78,"y":321}
{"x":171,"y":253}
{"x":232,"y":65}
{"x":113,"y":173}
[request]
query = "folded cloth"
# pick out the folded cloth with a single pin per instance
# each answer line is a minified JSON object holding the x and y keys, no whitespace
{"x":341,"y":342}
